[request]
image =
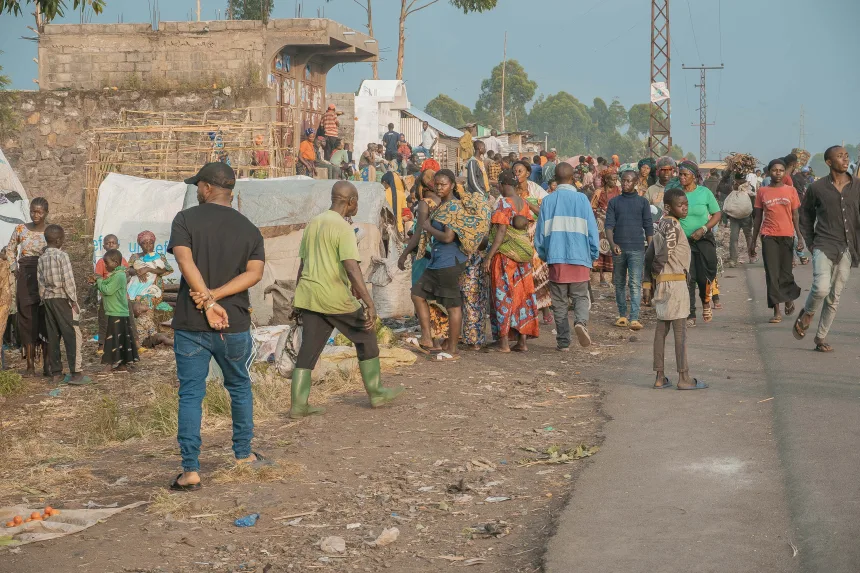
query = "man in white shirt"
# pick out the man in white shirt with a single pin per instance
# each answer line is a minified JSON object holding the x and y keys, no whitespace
{"x":753,"y":181}
{"x":428,"y":141}
{"x":493,"y":143}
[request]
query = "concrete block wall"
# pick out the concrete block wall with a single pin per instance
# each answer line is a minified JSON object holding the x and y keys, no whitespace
{"x":345,"y":103}
{"x":50,"y":151}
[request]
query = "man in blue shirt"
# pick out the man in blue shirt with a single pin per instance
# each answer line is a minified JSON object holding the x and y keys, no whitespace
{"x":628,"y":229}
{"x":537,"y":171}
{"x":391,"y":140}
{"x":567,"y":239}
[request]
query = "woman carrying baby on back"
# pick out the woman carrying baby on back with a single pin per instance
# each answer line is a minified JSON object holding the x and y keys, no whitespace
{"x":145,"y":290}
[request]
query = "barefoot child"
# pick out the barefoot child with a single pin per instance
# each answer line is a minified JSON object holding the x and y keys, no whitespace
{"x":59,"y":296}
{"x":668,"y":262}
{"x":120,"y":349}
{"x":110,"y":242}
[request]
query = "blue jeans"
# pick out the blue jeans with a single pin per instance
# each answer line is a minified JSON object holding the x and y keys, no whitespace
{"x":628,"y":269}
{"x":231,"y":351}
{"x":423,"y":150}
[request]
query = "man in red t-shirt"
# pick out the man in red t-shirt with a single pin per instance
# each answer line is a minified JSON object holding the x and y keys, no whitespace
{"x":777,"y":219}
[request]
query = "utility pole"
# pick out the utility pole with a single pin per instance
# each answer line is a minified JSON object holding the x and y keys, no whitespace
{"x":504,"y":65}
{"x":802,"y":143}
{"x":198,"y":10}
{"x":660,"y":136}
{"x":703,"y":109}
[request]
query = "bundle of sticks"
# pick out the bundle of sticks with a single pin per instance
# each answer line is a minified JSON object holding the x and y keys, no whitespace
{"x":741,"y":163}
{"x":802,"y":156}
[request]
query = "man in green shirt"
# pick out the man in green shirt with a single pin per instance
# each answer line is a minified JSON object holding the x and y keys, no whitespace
{"x":328,"y":276}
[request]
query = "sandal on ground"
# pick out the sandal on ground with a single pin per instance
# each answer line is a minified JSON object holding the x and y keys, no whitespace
{"x":707,"y":314}
{"x":444,"y":357}
{"x":666,"y":384}
{"x":799,"y":331}
{"x":176,"y":486}
{"x":548,"y":320}
{"x":691,"y":322}
{"x":789,"y":308}
{"x":699,"y":385}
{"x":622,"y":322}
{"x":416,"y":346}
{"x":582,"y":335}
{"x":636,"y":325}
{"x":718,"y":305}
{"x":823,"y":347}
{"x":82,"y":382}
{"x":261,"y":461}
{"x":775,"y":320}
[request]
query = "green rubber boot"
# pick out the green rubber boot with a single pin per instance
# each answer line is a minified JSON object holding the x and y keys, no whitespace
{"x":371,"y":374}
{"x":300,"y":390}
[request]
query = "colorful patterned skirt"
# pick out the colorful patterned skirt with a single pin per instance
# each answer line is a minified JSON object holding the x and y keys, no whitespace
{"x":512,"y":292}
{"x":473,"y":286}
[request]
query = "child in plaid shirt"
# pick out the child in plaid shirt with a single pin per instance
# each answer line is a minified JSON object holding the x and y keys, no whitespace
{"x":59,"y":296}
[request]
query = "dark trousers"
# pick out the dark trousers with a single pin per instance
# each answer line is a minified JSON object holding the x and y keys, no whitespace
{"x":679,"y":327}
{"x":703,"y":269}
{"x":61,"y":325}
{"x":778,"y":256}
{"x":316,"y":329}
{"x":331,"y":142}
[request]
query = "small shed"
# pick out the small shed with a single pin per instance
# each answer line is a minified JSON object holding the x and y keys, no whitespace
{"x":378,"y":103}
{"x":449,"y":137}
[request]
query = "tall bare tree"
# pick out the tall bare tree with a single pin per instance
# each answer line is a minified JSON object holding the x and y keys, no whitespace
{"x":409,"y":7}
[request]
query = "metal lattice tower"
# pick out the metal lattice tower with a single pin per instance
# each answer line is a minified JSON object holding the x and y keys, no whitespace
{"x":660,"y":137}
{"x":703,"y":110}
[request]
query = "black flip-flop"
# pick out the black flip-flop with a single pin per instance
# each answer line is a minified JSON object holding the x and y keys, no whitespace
{"x":798,"y":331}
{"x":176,"y":486}
{"x":666,"y":384}
{"x":699,"y":385}
{"x":261,"y":461}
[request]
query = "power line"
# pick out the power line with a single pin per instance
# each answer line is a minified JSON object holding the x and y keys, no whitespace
{"x":720,"y":25}
{"x":616,"y":37}
{"x":693,"y":28}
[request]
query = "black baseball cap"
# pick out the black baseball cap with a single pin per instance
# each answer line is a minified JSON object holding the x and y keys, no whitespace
{"x":217,"y":173}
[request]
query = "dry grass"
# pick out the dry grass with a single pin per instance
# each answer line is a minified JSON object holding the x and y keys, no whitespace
{"x":106,"y":423}
{"x":176,"y":505}
{"x":245,"y":474}
{"x":11,"y":383}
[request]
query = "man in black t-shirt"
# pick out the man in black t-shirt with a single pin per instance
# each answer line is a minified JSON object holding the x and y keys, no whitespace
{"x":220,"y":255}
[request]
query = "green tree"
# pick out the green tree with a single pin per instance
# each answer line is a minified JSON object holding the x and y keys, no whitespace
{"x":692,"y":157}
{"x":49,"y":8}
{"x":519,"y":90}
{"x":409,"y":7}
{"x":450,"y":111}
{"x":8,"y":118}
{"x":250,"y":9}
{"x":639,"y":118}
{"x":566,"y":119}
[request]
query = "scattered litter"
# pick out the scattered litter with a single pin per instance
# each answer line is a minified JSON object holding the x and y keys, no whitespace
{"x":451,"y":558}
{"x":247,"y":521}
{"x":93,"y":505}
{"x":794,"y":549}
{"x":544,"y":472}
{"x":438,"y":463}
{"x":333,"y":544}
{"x":766,"y":400}
{"x":496,"y":499}
{"x":480,"y":464}
{"x":202,"y":515}
{"x":388,"y":536}
{"x":120,"y":481}
{"x":55,"y":392}
{"x":353,"y":525}
{"x":492,"y":529}
{"x":548,"y":429}
{"x":426,"y":488}
{"x":550,"y":373}
{"x":474,"y":561}
{"x":459,"y":487}
{"x":594,"y":353}
{"x":294,"y":515}
{"x":295,"y":522}
{"x":555,"y":455}
{"x":575,"y":396}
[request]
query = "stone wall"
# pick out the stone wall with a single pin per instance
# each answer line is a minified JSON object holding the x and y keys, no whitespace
{"x":50,"y":150}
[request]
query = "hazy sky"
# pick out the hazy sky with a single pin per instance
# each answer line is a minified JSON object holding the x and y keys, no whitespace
{"x":778,"y":56}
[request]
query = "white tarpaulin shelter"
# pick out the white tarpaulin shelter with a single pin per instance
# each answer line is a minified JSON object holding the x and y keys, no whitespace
{"x":281,"y":209}
{"x":128,"y":205}
{"x":13,"y":211}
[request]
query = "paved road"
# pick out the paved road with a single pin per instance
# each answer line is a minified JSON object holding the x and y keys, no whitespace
{"x":720,"y":480}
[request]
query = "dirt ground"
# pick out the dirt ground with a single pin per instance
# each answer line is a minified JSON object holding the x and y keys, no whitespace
{"x":451,"y":465}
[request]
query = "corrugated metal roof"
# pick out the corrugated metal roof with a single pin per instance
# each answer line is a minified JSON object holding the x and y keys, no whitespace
{"x":440,"y":126}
